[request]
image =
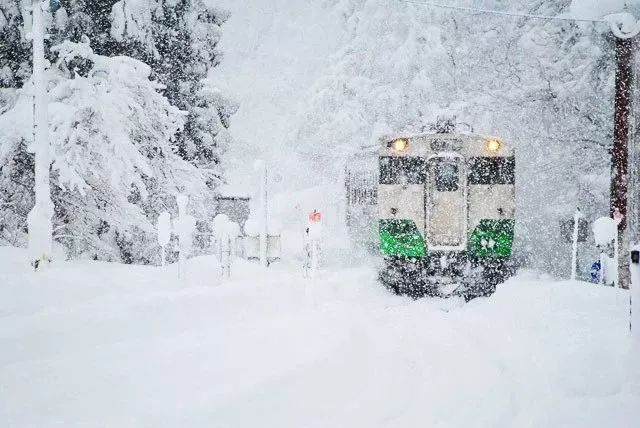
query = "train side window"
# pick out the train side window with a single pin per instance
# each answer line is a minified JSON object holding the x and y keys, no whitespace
{"x":402,"y":170}
{"x":447,"y":176}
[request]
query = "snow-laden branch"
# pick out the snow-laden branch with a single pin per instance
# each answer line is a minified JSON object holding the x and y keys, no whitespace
{"x":623,"y":25}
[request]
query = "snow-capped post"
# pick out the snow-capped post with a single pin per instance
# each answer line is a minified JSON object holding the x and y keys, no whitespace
{"x":263,"y":216}
{"x":39,"y":220}
{"x":312,"y":243}
{"x":185,"y":227}
{"x":226,"y":233}
{"x":574,"y":255}
{"x":164,"y":234}
{"x":605,"y":232}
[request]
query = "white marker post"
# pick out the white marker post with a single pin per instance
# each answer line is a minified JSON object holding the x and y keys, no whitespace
{"x":164,"y":234}
{"x":312,"y":244}
{"x":574,"y":256}
{"x":185,"y":226}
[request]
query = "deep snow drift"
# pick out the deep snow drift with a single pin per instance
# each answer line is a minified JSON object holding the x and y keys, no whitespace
{"x":94,"y":344}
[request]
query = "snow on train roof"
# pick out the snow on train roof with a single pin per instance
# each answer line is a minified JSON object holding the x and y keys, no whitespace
{"x":421,"y":144}
{"x":434,"y":136}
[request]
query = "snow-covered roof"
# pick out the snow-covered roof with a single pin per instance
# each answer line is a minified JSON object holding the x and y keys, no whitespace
{"x":234,"y":191}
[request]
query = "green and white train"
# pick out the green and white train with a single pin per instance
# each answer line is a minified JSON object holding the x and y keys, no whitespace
{"x":440,"y":208}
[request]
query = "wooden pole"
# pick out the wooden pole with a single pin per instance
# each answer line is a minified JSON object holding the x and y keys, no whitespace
{"x":620,"y":152}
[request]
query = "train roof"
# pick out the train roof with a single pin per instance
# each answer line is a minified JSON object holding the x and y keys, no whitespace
{"x":425,"y":144}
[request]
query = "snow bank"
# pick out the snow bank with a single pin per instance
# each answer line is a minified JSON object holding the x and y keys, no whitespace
{"x":89,"y":344}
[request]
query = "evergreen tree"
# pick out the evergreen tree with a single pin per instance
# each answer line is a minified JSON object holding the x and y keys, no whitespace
{"x":114,"y":168}
{"x":178,"y":39}
{"x":15,"y":51}
{"x":77,"y":18}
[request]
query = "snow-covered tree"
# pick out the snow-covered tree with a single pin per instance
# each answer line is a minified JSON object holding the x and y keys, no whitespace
{"x":178,"y":39}
{"x":114,"y":167}
{"x":15,"y":51}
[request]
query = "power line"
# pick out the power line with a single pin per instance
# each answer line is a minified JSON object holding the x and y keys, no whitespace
{"x":501,"y":13}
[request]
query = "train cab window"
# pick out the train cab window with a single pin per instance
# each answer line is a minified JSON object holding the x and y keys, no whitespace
{"x":492,"y":170}
{"x":447,"y":176}
{"x":402,"y":170}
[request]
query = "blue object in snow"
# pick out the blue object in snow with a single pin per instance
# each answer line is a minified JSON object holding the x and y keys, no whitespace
{"x":596,"y":271}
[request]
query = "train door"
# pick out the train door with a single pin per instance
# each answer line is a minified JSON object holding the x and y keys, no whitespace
{"x":446,"y":207}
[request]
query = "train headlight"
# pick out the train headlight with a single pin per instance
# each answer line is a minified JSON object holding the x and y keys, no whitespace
{"x":493,"y":146}
{"x":400,"y":145}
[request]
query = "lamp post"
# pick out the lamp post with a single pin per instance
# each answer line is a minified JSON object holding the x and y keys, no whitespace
{"x":39,"y":220}
{"x":260,"y":167}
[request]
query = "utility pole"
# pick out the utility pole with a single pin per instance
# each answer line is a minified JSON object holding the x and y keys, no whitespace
{"x":260,"y":167}
{"x":634,"y":157}
{"x":39,"y":220}
{"x":620,"y":151}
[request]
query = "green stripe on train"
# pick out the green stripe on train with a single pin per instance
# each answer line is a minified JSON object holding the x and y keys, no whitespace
{"x":492,"y":239}
{"x":401,"y":238}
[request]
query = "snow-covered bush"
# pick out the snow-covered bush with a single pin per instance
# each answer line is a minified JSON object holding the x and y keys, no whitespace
{"x":114,"y":168}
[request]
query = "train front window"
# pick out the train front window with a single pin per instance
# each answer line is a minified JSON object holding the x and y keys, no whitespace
{"x":402,"y":170}
{"x":447,"y":176}
{"x":492,"y":170}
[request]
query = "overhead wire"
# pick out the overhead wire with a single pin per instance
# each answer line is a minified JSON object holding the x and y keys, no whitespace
{"x":501,"y":13}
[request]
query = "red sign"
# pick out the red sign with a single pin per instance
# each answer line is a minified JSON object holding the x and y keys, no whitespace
{"x":315,"y":217}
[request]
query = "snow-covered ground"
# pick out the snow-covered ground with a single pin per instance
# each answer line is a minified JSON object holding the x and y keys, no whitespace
{"x":94,"y":344}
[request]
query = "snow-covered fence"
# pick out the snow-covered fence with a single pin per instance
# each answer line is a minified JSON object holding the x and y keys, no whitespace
{"x":253,"y":243}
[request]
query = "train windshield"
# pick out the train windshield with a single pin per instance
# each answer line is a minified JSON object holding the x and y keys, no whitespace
{"x":402,"y":170}
{"x":447,"y":176}
{"x":492,"y":170}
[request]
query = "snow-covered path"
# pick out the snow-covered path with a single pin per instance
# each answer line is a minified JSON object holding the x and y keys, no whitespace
{"x":107,"y":345}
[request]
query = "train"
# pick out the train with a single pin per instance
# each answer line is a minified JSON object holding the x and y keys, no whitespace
{"x":438,"y":209}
